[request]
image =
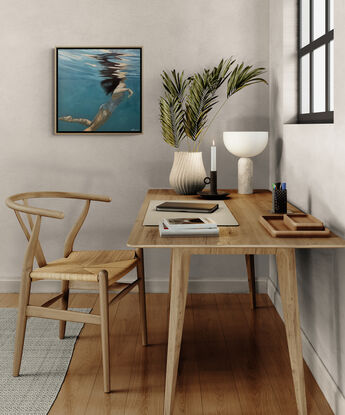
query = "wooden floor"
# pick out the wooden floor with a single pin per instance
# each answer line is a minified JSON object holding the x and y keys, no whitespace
{"x":233,"y":360}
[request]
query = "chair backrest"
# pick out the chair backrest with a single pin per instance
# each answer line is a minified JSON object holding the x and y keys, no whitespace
{"x":34,"y":248}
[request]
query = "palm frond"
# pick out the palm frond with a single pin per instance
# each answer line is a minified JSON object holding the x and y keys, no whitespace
{"x":175,"y":85}
{"x":183,"y":114}
{"x":220,"y":73}
{"x":171,"y":109}
{"x":171,"y":117}
{"x":202,"y":97}
{"x":199,"y":103}
{"x":242,"y":76}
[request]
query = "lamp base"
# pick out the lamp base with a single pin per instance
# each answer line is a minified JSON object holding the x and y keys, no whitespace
{"x":245,"y":176}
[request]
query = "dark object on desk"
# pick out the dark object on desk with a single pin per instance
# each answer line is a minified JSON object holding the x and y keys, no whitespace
{"x":212,"y":180}
{"x":277,"y":227}
{"x":187,"y":207}
{"x":211,"y":196}
{"x":213,"y":193}
{"x":279,"y":200}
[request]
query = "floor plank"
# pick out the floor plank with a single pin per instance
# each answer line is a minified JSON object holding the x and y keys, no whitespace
{"x":255,"y":392}
{"x":233,"y":360}
{"x":124,"y":328}
{"x":218,"y":387}
{"x":275,"y":364}
{"x":80,"y":378}
{"x":316,"y":402}
{"x":188,"y":398}
{"x":146,"y":392}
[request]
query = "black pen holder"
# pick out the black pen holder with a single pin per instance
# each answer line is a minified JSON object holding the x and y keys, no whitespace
{"x":212,"y":181}
{"x":279,"y":201}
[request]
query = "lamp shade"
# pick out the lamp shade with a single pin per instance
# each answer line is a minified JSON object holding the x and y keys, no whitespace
{"x":245,"y":143}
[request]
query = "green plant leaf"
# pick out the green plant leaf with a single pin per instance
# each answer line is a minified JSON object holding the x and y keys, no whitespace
{"x":187,"y":102}
{"x":242,"y":76}
{"x":171,"y":117}
{"x":174,"y":84}
{"x":171,"y":107}
{"x":202,"y":97}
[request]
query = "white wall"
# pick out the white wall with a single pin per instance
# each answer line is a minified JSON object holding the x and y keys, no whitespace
{"x":174,"y":34}
{"x":310,"y":158}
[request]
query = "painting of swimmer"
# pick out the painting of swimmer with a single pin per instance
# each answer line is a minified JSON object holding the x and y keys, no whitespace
{"x":98,"y":90}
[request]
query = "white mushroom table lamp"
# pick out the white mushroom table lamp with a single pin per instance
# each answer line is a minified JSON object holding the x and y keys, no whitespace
{"x":245,"y":144}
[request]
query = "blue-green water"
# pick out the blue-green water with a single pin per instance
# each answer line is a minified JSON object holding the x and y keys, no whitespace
{"x":80,"y":93}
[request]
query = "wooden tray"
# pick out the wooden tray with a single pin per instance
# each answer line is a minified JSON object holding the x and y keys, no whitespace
{"x":302,"y":221}
{"x":276,"y":226}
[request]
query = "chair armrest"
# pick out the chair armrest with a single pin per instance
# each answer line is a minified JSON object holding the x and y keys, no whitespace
{"x":34,"y":210}
{"x":11,"y":202}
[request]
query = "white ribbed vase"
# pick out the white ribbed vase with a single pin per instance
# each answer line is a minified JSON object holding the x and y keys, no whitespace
{"x":188,"y":173}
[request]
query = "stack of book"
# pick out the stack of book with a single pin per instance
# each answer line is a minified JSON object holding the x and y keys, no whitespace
{"x":188,"y":227}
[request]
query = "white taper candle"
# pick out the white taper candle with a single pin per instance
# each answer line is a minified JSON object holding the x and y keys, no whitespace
{"x":213,"y":157}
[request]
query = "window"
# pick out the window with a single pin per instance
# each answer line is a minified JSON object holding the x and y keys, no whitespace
{"x":315,"y":61}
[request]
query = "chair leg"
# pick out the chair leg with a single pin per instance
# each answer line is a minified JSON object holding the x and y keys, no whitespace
{"x":104,"y":312}
{"x":64,"y":306}
{"x":251,"y":278}
{"x":21,"y":323}
{"x":142,"y":297}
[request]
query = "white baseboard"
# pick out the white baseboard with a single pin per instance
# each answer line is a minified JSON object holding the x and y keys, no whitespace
{"x":152,"y":286}
{"x":320,"y":372}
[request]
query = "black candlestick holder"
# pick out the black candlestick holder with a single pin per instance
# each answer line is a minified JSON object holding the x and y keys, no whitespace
{"x":213,"y":194}
{"x":212,"y":180}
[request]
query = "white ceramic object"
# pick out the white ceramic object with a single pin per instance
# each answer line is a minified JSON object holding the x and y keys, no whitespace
{"x":188,"y":173}
{"x":245,"y":144}
{"x":245,"y":175}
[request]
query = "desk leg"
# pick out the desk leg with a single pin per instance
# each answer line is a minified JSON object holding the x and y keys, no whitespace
{"x":251,"y":278}
{"x":179,"y":287}
{"x":286,"y":264}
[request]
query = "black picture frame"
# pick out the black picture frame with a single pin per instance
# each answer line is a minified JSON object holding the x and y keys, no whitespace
{"x":83,"y":74}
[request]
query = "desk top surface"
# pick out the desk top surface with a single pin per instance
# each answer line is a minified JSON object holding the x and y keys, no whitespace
{"x":249,"y":234}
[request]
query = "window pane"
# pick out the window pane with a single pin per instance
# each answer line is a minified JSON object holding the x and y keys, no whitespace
{"x":304,"y":23}
{"x":319,"y":18}
{"x":305,"y":86}
{"x":331,"y":14}
{"x":331,"y":76}
{"x":319,"y":83}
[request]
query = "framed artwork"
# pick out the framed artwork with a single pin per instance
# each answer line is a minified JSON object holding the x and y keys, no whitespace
{"x":98,"y":90}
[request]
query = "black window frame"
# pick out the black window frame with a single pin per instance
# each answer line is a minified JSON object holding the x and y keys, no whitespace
{"x":328,"y":115}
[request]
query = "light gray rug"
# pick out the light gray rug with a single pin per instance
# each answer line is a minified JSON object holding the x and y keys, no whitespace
{"x":45,"y":362}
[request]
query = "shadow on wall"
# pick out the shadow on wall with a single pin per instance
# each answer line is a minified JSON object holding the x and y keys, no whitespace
{"x":276,"y":141}
{"x":327,"y":214}
{"x":278,"y":150}
{"x":339,"y":326}
{"x":322,"y":271}
{"x":321,"y":284}
{"x":330,"y":275}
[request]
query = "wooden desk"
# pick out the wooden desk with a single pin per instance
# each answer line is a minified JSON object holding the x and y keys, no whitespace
{"x":250,"y":238}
